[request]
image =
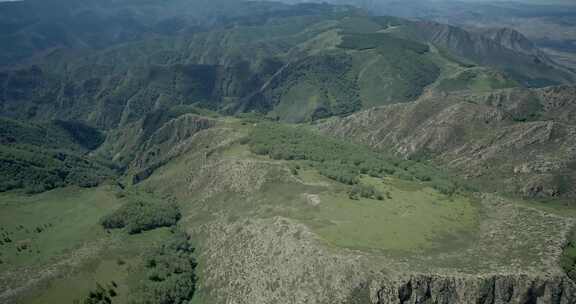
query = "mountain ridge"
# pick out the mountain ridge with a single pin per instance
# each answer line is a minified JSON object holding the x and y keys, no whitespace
{"x":221,"y":151}
{"x":480,"y":134}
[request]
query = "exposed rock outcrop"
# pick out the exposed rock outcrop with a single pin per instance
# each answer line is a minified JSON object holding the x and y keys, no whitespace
{"x":487,"y":289}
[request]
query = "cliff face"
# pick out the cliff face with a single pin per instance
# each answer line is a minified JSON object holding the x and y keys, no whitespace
{"x":481,"y":290}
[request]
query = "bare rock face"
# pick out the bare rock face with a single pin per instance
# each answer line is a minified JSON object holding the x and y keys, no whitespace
{"x":490,"y":289}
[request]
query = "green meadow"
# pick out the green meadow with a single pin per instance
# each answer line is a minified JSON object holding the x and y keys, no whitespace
{"x":411,"y":217}
{"x":56,"y":239}
{"x":37,"y":228}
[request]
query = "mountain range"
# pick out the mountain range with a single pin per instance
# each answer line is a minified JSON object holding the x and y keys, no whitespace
{"x":231,"y":151}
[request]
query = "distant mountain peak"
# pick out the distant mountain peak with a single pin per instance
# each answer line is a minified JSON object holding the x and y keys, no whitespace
{"x":516,"y":41}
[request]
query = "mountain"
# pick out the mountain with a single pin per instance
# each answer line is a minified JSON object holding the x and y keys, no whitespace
{"x":33,"y":27}
{"x":229,"y":151}
{"x":297,"y":63}
{"x":549,"y":24}
{"x":514,"y":40}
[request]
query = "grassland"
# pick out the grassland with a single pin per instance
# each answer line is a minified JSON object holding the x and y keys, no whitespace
{"x":412,"y":217}
{"x":115,"y":263}
{"x":55,"y":248}
{"x":51,"y":224}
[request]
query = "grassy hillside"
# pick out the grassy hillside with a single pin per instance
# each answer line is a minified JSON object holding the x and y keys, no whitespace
{"x":286,"y":192}
{"x":72,"y":246}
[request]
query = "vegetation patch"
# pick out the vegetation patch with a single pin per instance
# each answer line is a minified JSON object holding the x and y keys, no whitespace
{"x":169,"y":273}
{"x":400,"y":71}
{"x":86,"y":136}
{"x":568,"y":259}
{"x":383,"y":41}
{"x":338,"y":160}
{"x":165,"y":274}
{"x":477,"y":80}
{"x":142,"y":215}
{"x":38,"y":158}
{"x":37,"y":169}
{"x":315,"y":87}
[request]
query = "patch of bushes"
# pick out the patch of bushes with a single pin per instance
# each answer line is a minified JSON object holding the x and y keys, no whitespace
{"x":142,"y":215}
{"x":37,"y":169}
{"x":100,"y":295}
{"x":568,"y":260}
{"x":563,"y":183}
{"x":84,"y":135}
{"x":365,"y":191}
{"x":363,"y":41}
{"x":169,"y":273}
{"x":58,"y":134}
{"x":339,"y":160}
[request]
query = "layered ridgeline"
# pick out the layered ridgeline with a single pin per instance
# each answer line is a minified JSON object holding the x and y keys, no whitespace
{"x":130,"y":101}
{"x":296,"y":63}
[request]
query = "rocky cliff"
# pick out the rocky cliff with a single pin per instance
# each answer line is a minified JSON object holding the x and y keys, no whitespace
{"x":487,"y":289}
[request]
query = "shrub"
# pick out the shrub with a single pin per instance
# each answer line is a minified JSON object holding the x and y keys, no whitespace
{"x":98,"y":296}
{"x":170,"y":273}
{"x":445,"y":187}
{"x":365,"y":191}
{"x":138,"y":216}
{"x":568,"y":260}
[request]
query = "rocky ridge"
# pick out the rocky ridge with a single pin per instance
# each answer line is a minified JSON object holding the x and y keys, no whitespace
{"x":523,"y":136}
